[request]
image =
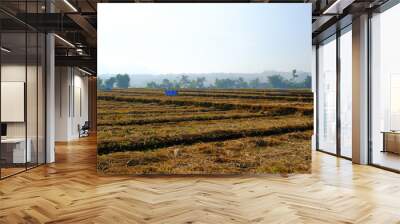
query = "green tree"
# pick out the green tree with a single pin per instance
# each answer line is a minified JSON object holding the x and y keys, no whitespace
{"x":277,"y":81}
{"x":200,"y":82}
{"x":307,"y":82}
{"x":122,"y":81}
{"x":224,"y":83}
{"x":109,"y":83}
{"x":255,"y":83}
{"x":240,"y":83}
{"x":166,"y":84}
{"x":153,"y":85}
{"x":100,"y":84}
{"x":184,"y":82}
{"x":193,"y":84}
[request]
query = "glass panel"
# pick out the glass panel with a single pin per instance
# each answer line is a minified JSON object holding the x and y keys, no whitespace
{"x":13,"y":86}
{"x":31,"y":98}
{"x":32,"y":88}
{"x":385,"y":83}
{"x":23,"y":91}
{"x":41,"y":99}
{"x":346,"y":94}
{"x":41,"y":90}
{"x":327,"y":96}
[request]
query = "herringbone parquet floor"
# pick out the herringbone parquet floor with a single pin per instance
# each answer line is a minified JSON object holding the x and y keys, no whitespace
{"x":70,"y":191}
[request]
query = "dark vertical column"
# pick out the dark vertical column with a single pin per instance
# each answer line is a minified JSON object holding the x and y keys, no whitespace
{"x":369,"y":71}
{"x":338,"y":76}
{"x":95,"y":104}
{"x":26,"y":86}
{"x":45,"y":90}
{"x":73,"y":91}
{"x":69,"y":90}
{"x":316,"y":101}
{"x":92,"y":102}
{"x":37,"y":89}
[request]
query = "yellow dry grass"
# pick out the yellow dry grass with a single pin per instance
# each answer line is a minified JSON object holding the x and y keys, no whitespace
{"x":141,"y":131}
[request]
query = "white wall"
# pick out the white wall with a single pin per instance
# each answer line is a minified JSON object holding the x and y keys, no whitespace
{"x":80,"y":110}
{"x":71,"y":94}
{"x":62,"y":83}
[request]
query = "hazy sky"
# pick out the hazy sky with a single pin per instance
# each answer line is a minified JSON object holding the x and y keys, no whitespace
{"x":203,"y":38}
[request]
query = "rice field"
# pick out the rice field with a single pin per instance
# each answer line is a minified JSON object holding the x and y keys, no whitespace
{"x":224,"y":131}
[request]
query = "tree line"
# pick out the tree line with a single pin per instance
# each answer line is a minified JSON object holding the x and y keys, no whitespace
{"x":274,"y":81}
{"x":119,"y":81}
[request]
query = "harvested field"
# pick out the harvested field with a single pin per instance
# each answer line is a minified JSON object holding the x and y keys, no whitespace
{"x":142,"y":131}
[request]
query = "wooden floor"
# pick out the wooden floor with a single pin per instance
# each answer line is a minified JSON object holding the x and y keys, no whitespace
{"x":5,"y":172}
{"x":70,"y":191}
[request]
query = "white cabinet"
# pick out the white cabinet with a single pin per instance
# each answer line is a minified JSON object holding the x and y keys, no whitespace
{"x":17,"y":146}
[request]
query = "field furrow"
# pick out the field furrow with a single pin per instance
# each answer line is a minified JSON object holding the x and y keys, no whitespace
{"x":204,"y":131}
{"x":124,"y":120}
{"x":285,"y":153}
{"x":286,"y":108}
{"x":134,"y":138}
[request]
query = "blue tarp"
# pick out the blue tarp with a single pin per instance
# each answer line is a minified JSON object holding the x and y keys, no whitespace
{"x":169,"y":92}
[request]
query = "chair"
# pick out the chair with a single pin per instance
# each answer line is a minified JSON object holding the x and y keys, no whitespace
{"x":84,"y":130}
